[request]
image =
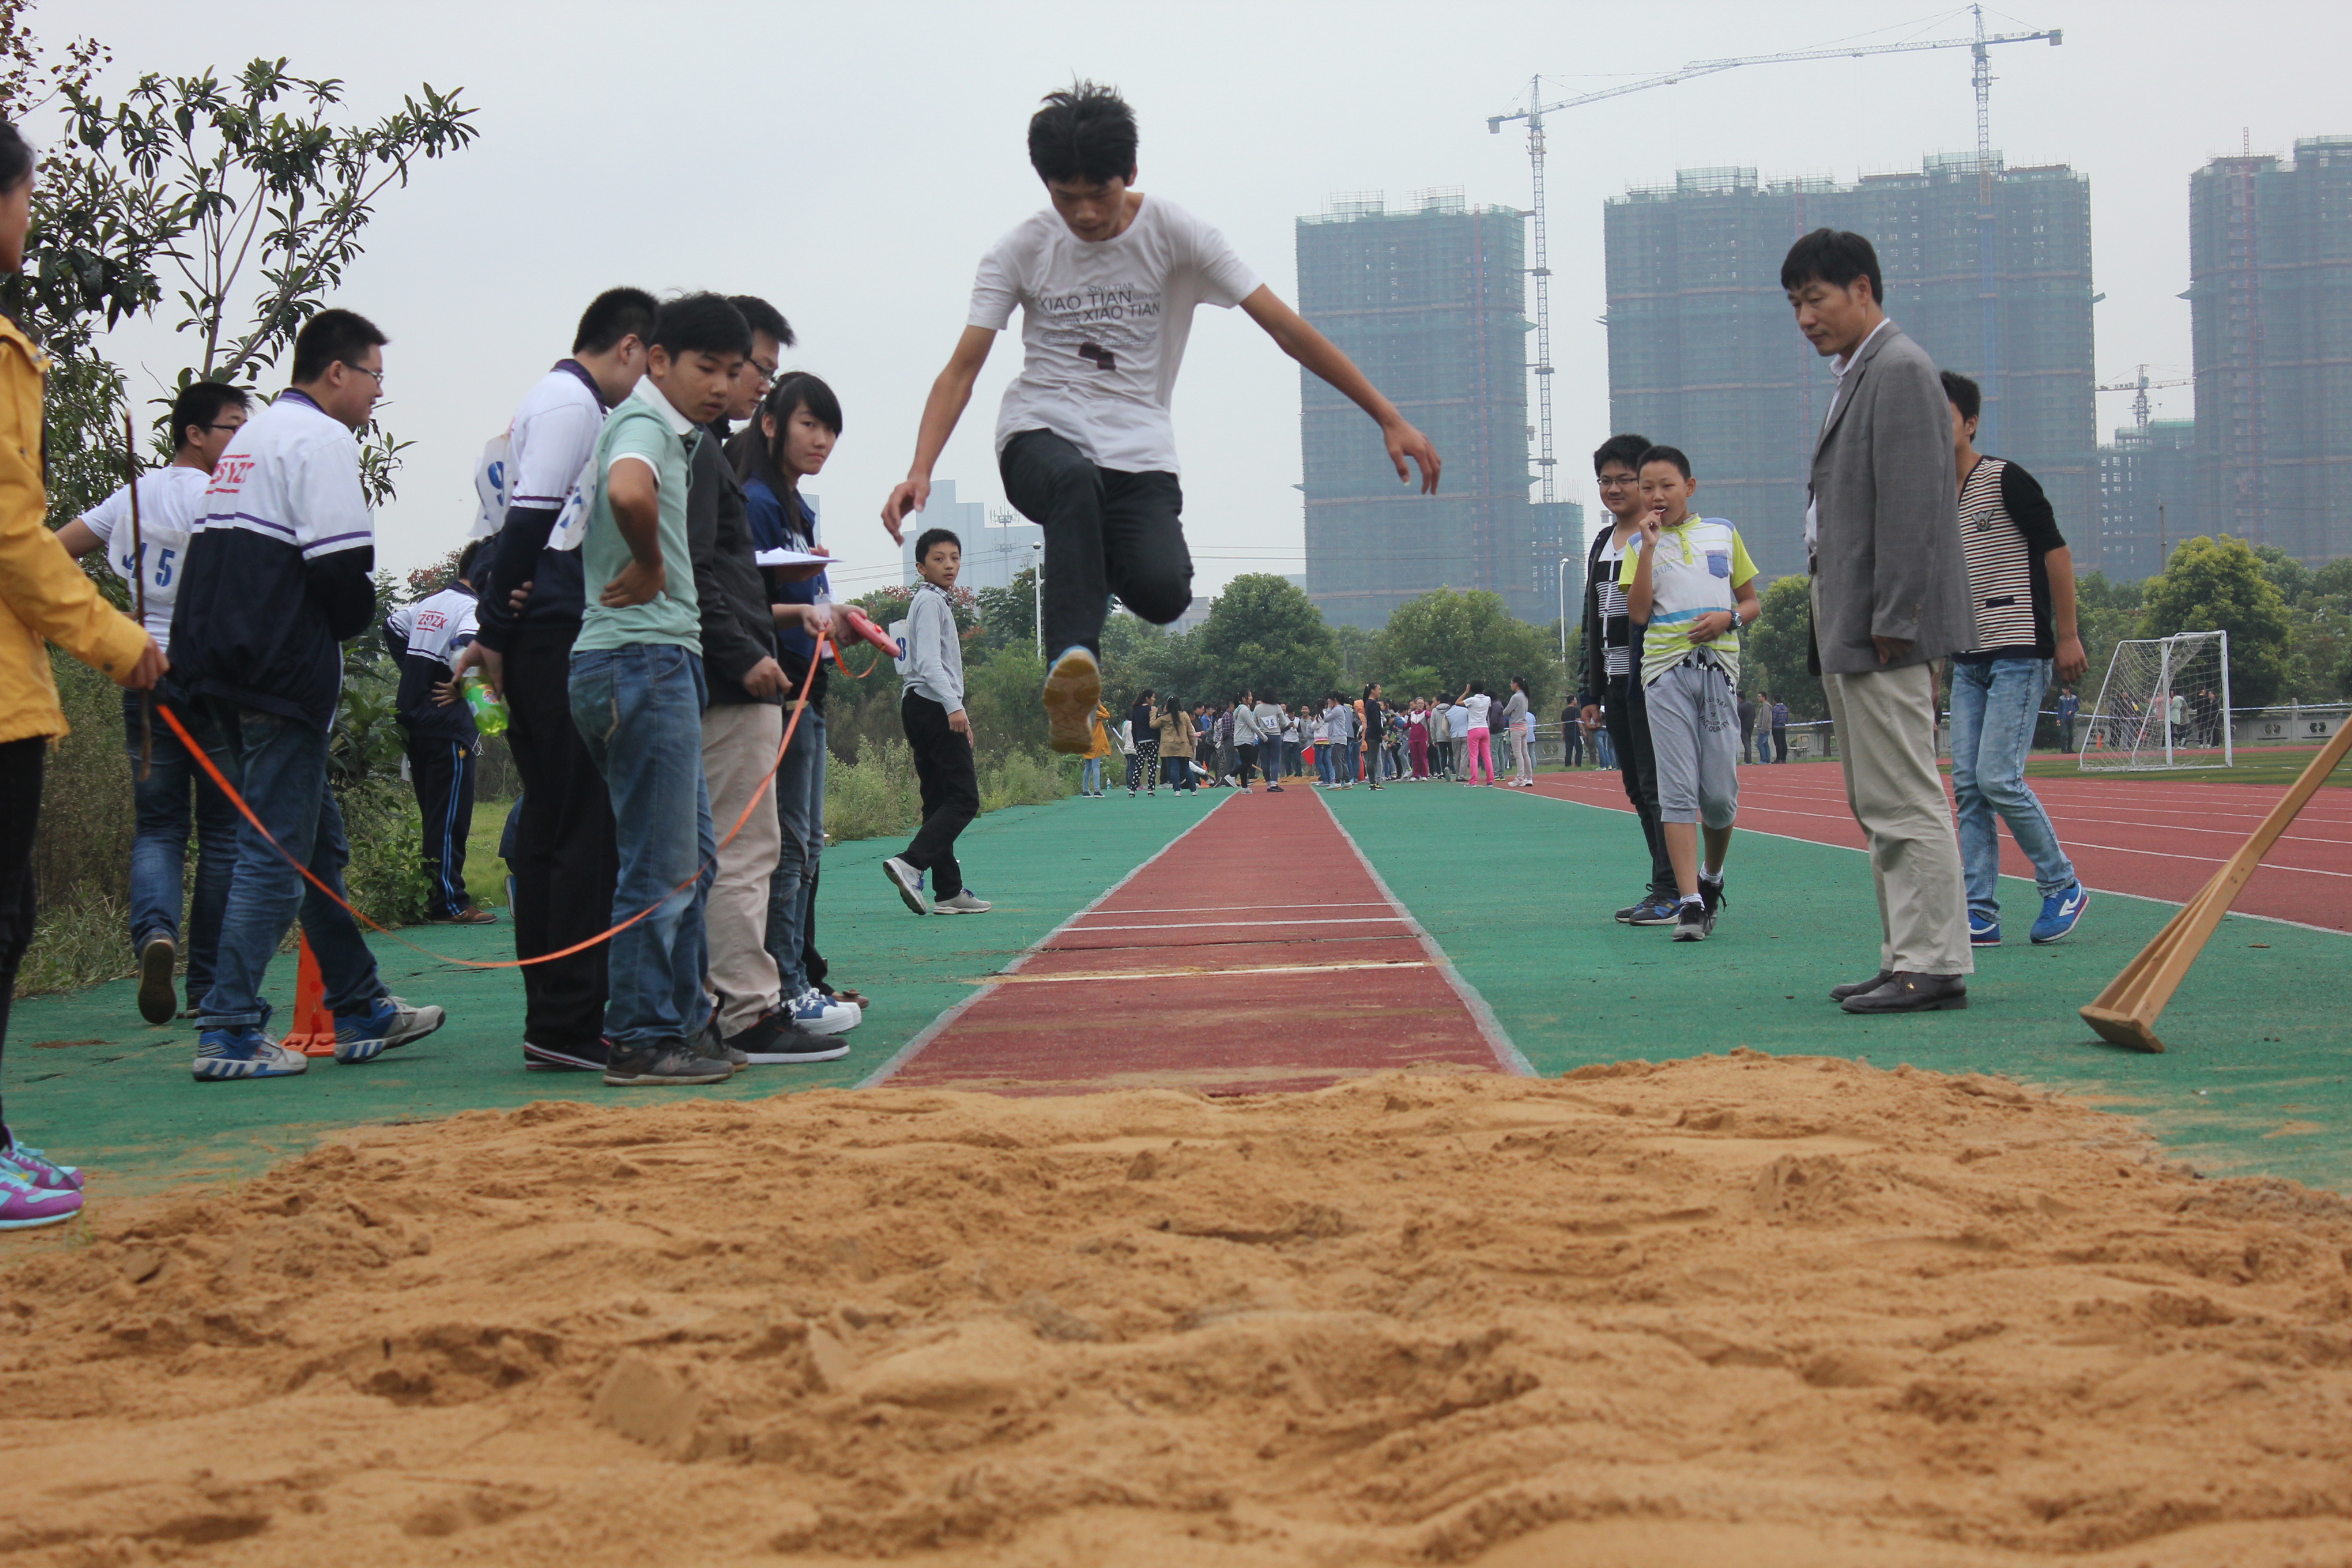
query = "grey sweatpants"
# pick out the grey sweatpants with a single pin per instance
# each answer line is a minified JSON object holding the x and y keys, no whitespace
{"x":1695,"y":732}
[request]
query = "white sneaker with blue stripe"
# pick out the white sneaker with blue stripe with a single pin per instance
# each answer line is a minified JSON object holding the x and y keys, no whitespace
{"x":244,"y":1051}
{"x":389,"y":1022}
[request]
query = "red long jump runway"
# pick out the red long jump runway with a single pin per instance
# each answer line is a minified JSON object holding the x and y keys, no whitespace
{"x":2151,"y":838}
{"x":1257,"y":952}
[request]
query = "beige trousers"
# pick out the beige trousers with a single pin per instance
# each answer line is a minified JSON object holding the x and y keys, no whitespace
{"x":1887,"y":744}
{"x":739,"y":750}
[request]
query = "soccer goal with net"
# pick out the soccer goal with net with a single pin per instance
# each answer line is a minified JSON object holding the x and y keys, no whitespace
{"x":2165,"y":704}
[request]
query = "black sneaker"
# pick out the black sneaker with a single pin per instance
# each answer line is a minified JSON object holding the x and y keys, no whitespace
{"x":1657,"y":909}
{"x":774,"y":1039}
{"x":671,"y":1061}
{"x":590,"y":1057}
{"x":1711,"y":895}
{"x":1694,"y":924}
{"x":157,"y":953}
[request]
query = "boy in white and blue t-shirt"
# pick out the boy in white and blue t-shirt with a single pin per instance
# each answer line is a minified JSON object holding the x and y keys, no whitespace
{"x":1692,"y":583}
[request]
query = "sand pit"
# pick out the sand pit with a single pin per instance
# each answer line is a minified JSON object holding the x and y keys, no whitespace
{"x":1737,"y":1310}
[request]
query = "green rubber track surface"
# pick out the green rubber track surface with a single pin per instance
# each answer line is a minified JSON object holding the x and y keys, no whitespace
{"x":90,"y":1082}
{"x":1519,"y":890}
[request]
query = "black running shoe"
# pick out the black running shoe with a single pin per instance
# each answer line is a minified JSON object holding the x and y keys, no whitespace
{"x":1694,"y":923}
{"x":590,"y":1057}
{"x":1711,"y":895}
{"x":669,"y":1061}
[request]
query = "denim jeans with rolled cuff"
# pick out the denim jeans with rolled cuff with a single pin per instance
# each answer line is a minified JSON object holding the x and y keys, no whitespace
{"x":639,"y":711}
{"x":1996,"y":704}
{"x":281,"y":771}
{"x":159,"y":848}
{"x":800,"y":812}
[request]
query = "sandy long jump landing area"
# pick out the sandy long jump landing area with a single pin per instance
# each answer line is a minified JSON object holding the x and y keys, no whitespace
{"x":1789,"y":1311}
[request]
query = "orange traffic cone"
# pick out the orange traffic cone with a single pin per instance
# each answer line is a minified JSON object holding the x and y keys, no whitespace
{"x":313,"y":1031}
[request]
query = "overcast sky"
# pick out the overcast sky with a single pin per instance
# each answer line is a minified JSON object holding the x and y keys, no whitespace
{"x":851,"y":162}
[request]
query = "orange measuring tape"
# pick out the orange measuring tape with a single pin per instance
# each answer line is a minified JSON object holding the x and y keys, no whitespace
{"x":204,"y":760}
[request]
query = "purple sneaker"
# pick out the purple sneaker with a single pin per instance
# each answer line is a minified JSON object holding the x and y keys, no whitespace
{"x":24,"y":1206}
{"x":36,"y":1167}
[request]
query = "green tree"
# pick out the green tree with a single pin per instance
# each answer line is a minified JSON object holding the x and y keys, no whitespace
{"x":2291,"y":577}
{"x":1264,"y":634}
{"x":1774,"y":650}
{"x":1138,"y":656}
{"x":1355,"y":644}
{"x":2220,"y":585}
{"x":1008,"y":616}
{"x":1463,"y":638}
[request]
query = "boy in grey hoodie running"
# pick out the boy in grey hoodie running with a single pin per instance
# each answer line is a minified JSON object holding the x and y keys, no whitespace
{"x":940,"y":735}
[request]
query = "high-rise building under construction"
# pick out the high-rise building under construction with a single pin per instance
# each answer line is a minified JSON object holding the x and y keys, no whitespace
{"x":2270,"y":300}
{"x":1429,"y":300}
{"x":1703,"y":354}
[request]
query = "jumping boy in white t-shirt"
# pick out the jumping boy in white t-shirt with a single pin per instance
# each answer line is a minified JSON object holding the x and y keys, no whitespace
{"x":1106,"y":281}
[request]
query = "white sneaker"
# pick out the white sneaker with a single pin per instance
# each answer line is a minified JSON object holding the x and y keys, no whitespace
{"x":818,"y":1014}
{"x":963,"y":903}
{"x":910,"y":883}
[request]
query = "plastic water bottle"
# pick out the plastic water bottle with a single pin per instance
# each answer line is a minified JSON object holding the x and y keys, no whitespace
{"x":489,"y":713}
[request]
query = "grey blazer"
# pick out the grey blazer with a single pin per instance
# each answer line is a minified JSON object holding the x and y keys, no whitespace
{"x":1887,"y":560}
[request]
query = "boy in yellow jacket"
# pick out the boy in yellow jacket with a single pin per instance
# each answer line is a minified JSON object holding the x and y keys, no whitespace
{"x":44,"y":597}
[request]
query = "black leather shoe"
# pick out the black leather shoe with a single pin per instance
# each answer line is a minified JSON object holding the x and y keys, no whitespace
{"x":1840,"y":992}
{"x":1912,"y":993}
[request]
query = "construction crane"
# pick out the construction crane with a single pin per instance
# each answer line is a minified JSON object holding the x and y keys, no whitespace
{"x":2140,"y":388}
{"x":1536,"y":109}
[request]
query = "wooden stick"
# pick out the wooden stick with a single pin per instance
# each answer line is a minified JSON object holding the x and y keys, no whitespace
{"x":2125,"y":1014}
{"x":139,"y":591}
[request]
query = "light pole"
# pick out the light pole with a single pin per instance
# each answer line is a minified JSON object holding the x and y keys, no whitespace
{"x":1563,"y":608}
{"x":1037,"y":592}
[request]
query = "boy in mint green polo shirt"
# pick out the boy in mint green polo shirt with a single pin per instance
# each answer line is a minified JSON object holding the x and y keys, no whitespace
{"x":1691,"y":585}
{"x":637,"y":694}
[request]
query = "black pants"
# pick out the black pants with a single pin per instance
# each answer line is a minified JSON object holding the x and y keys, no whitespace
{"x":1245,"y":762}
{"x":1781,"y":743}
{"x":20,"y":817}
{"x":1571,"y":742}
{"x":567,"y":858}
{"x":442,"y":771}
{"x":1143,"y":768}
{"x":950,"y":788}
{"x":1628,"y":731}
{"x":1105,"y":532}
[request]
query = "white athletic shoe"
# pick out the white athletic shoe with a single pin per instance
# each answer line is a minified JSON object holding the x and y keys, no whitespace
{"x":910,"y":883}
{"x":963,"y":903}
{"x":818,"y":1014}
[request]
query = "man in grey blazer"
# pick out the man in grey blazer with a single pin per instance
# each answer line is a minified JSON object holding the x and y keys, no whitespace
{"x":1889,"y":598}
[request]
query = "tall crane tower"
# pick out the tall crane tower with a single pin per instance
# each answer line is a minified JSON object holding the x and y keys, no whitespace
{"x":1978,"y":44}
{"x":2140,"y":387}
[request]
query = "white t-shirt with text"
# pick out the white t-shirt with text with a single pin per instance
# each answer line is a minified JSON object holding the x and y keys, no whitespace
{"x":170,"y":501}
{"x":1103,"y":327}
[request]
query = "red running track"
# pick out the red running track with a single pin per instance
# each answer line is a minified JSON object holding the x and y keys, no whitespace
{"x":2155,"y":838}
{"x":1257,"y":952}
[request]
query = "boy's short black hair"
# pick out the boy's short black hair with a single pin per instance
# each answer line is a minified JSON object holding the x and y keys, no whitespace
{"x":1966,"y":395}
{"x":932,"y":538}
{"x":701,"y":324}
{"x":465,"y":558}
{"x":199,"y":402}
{"x":1835,"y":257}
{"x":1084,"y":133}
{"x":798,"y":389}
{"x":332,"y":337}
{"x":1626,"y":449}
{"x":1665,"y":454}
{"x":16,"y":158}
{"x":764,"y":317}
{"x":615,"y":314}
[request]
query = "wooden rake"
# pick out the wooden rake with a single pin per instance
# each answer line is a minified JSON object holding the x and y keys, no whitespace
{"x":2125,"y":1014}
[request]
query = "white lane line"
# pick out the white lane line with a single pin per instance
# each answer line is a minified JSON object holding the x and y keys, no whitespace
{"x":1237,"y":925}
{"x":1241,"y":909}
{"x":1196,"y":972}
{"x":1507,"y":1055}
{"x":933,"y":1030}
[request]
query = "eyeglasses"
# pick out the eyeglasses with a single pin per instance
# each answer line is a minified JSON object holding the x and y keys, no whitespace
{"x":238,"y":425}
{"x":1617,"y":481}
{"x":374,"y":375}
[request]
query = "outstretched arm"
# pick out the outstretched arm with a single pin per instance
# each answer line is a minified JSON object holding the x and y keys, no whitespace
{"x":1310,"y":348}
{"x":945,"y":406}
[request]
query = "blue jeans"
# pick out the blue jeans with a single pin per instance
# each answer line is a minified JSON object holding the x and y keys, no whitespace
{"x":639,"y":711}
{"x":1995,"y":707}
{"x":281,"y":771}
{"x":800,"y":812}
{"x":159,"y":853}
{"x":1324,"y":771}
{"x":1090,"y":777}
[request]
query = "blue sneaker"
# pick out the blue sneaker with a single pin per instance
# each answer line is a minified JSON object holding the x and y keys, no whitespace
{"x":242,"y":1050}
{"x":2060,"y":912}
{"x":1983,"y":932}
{"x":1659,"y":909}
{"x":387,"y":1023}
